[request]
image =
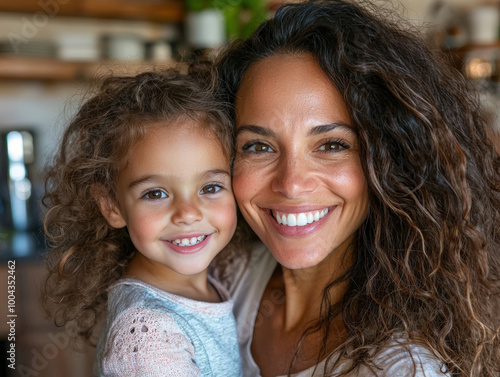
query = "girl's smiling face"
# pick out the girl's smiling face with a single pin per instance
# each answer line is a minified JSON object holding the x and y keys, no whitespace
{"x":174,"y":196}
{"x":297,"y":177}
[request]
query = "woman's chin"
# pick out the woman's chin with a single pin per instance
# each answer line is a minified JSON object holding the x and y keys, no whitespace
{"x":297,"y":258}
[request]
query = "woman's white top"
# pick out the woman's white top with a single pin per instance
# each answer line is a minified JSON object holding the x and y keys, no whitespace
{"x":246,"y":291}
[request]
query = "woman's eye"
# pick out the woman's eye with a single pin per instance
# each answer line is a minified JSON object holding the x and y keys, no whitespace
{"x":210,"y":189}
{"x":155,"y":194}
{"x":257,"y":147}
{"x":333,"y":146}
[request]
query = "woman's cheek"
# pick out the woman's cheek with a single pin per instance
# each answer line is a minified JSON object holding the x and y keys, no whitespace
{"x":244,"y":184}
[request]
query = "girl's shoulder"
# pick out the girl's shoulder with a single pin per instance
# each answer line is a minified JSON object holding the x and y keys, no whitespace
{"x":128,"y":292}
{"x":144,"y":341}
{"x":133,"y":309}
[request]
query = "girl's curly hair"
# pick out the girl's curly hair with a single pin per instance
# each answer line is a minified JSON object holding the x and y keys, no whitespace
{"x":427,"y":258}
{"x":85,"y":254}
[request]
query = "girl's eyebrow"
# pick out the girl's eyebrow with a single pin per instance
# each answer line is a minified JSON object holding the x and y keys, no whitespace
{"x":155,"y":179}
{"x":316,"y":130}
{"x":145,"y":179}
{"x":216,"y":172}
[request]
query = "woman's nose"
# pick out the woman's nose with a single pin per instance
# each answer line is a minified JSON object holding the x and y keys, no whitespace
{"x":186,"y":212}
{"x":293,"y":178}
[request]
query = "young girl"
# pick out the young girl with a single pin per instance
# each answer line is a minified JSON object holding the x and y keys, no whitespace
{"x":139,"y":203}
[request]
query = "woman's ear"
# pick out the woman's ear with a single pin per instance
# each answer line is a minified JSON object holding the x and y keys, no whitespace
{"x":109,"y":208}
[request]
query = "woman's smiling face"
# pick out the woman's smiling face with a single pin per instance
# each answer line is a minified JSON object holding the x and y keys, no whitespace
{"x":297,"y":177}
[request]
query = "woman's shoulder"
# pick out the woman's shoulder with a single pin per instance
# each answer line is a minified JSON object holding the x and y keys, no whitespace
{"x":400,"y":360}
{"x":403,"y":359}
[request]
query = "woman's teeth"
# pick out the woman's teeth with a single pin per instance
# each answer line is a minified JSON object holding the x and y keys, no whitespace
{"x":299,"y":219}
{"x":188,"y":241}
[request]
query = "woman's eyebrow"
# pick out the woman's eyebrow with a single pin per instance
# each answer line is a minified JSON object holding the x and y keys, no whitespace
{"x":318,"y":130}
{"x":255,"y":130}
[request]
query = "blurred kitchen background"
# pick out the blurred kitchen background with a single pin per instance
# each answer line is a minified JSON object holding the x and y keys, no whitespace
{"x":53,"y":51}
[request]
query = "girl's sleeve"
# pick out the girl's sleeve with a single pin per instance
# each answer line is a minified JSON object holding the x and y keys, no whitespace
{"x":145,"y":343}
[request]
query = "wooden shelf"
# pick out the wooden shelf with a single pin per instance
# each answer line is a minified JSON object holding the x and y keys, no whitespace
{"x":475,"y":47}
{"x":49,"y":69}
{"x":19,"y":67}
{"x":477,"y":61}
{"x":152,"y":10}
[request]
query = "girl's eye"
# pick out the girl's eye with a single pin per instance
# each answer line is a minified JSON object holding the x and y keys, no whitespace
{"x":257,"y":147}
{"x":155,"y":194}
{"x":334,"y":145}
{"x":210,"y":189}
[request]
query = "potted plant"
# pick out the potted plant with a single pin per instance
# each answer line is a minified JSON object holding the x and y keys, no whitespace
{"x":210,"y":23}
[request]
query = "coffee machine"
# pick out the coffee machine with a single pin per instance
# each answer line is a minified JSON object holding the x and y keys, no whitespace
{"x":19,"y":204}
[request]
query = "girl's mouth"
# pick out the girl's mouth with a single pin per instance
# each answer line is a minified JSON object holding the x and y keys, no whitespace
{"x":188,"y":244}
{"x":183,"y":242}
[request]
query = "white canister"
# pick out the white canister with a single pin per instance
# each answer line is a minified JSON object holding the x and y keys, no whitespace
{"x":160,"y":51}
{"x":484,"y":22}
{"x":205,"y":29}
{"x":125,"y":47}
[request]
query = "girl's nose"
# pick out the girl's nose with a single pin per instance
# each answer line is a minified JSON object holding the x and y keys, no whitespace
{"x":293,"y":178}
{"x":186,"y":212}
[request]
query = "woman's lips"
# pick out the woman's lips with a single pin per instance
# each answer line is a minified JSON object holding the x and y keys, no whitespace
{"x":300,"y":218}
{"x":298,"y":224}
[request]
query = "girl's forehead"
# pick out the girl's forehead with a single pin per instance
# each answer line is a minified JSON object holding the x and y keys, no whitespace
{"x":173,"y":135}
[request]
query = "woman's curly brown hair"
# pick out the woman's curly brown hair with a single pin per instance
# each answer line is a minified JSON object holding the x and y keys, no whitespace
{"x":427,"y":258}
{"x":86,"y":255}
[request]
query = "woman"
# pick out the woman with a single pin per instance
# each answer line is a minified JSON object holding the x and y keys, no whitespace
{"x":363,"y":165}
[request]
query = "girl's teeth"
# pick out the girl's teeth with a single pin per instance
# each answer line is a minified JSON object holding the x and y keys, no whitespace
{"x":299,"y":219}
{"x":188,"y":241}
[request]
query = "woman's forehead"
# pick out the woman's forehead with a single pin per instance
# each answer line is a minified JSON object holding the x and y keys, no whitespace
{"x":290,"y":89}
